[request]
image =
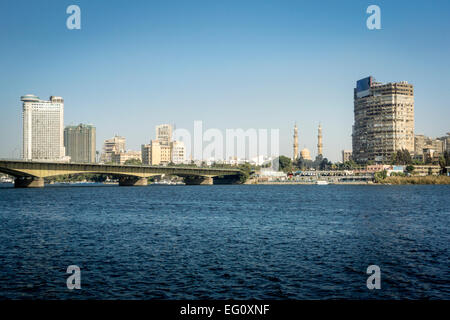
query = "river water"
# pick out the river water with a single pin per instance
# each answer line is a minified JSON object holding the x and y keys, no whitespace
{"x":225,"y":241}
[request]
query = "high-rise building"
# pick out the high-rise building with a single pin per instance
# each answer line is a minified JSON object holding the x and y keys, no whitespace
{"x":112,"y":146}
{"x":178,"y":152}
{"x":79,"y":142}
{"x":319,"y":142}
{"x":295,"y":152}
{"x":384,"y":120}
{"x":43,"y":127}
{"x":164,"y":134}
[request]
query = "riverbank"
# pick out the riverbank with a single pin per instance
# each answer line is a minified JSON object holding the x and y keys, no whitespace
{"x":305,"y":183}
{"x":388,"y":180}
{"x":416,"y":180}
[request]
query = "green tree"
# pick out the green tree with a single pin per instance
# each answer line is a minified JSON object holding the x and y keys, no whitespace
{"x":410,"y":169}
{"x":428,"y":159}
{"x":304,"y":164}
{"x":348,"y":165}
{"x":446,"y":162}
{"x":325,"y":164}
{"x":285,"y":163}
{"x":406,"y":157}
{"x":380,"y":176}
{"x":402,"y":157}
{"x":133,"y":162}
{"x":246,"y":171}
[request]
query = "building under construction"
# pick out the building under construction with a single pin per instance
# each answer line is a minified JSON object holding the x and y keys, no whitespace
{"x":384,"y":120}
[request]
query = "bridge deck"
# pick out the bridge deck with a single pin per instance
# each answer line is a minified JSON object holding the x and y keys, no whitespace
{"x":41,"y":169}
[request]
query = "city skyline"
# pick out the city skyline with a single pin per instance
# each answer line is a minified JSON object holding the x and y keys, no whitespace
{"x":164,"y":131}
{"x":194,"y":64}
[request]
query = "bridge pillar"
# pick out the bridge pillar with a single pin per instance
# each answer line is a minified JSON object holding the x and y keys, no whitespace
{"x":197,"y":180}
{"x":132,"y":181}
{"x":28,"y":182}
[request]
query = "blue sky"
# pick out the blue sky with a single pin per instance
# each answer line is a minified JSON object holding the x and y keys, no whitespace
{"x":231,"y":64}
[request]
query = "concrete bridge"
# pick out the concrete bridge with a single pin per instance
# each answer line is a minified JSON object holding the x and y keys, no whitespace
{"x":30,"y":174}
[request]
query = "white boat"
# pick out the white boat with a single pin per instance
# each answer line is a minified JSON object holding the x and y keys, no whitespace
{"x":6,"y":180}
{"x":321,"y":182}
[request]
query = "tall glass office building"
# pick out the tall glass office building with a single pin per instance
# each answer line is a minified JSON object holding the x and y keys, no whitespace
{"x":79,"y":142}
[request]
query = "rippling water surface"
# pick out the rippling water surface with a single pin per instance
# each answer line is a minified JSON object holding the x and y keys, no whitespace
{"x":223,"y":242}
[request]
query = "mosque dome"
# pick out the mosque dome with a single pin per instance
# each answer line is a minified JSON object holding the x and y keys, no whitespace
{"x":305,"y":154}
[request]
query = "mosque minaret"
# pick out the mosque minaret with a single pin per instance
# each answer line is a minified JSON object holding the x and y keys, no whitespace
{"x":319,"y":142}
{"x":295,"y":156}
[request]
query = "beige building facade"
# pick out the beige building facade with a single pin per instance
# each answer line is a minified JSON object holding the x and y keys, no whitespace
{"x":112,"y":146}
{"x":122,"y":157}
{"x":425,"y":170}
{"x":422,"y":143}
{"x":162,"y":150}
{"x":164,"y":133}
{"x":445,"y":141}
{"x":156,"y":153}
{"x":346,"y":156}
{"x":178,"y":152}
{"x":383,"y":120}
